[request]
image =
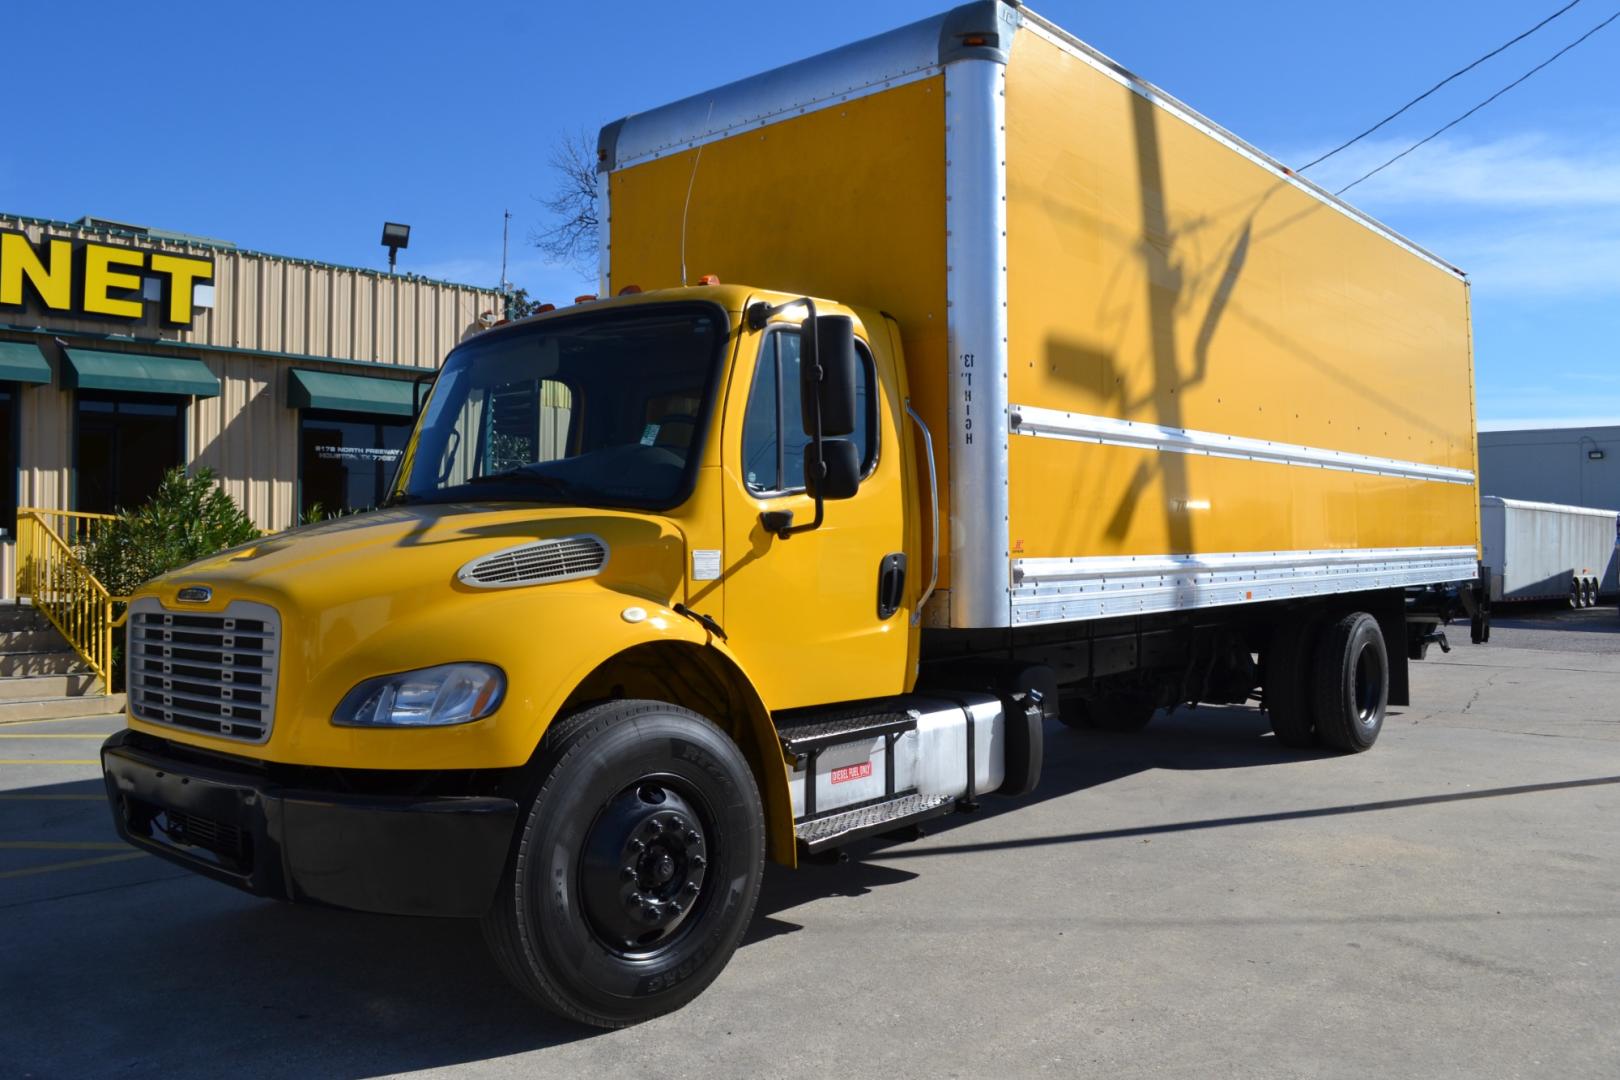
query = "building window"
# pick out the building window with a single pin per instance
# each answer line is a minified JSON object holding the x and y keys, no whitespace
{"x":8,"y":459}
{"x":773,"y":432}
{"x":347,"y":460}
{"x":125,"y":445}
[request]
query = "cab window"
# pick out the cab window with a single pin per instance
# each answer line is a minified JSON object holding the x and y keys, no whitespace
{"x":773,"y":433}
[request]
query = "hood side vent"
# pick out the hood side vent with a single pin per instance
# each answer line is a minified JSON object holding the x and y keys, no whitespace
{"x":566,"y":558}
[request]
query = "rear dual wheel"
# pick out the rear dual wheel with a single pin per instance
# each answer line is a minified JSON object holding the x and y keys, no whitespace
{"x":1327,"y":681}
{"x":636,"y":868}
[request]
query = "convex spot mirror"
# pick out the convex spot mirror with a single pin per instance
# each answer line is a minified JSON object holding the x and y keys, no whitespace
{"x":834,"y":473}
{"x":827,"y":374}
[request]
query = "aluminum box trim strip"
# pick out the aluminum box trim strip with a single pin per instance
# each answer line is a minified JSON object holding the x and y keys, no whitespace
{"x":1107,"y":430}
{"x":1093,"y":587}
{"x":976,"y":327}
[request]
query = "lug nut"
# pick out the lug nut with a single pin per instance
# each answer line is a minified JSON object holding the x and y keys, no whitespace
{"x":697,"y":862}
{"x":635,"y":845}
{"x":692,"y":887}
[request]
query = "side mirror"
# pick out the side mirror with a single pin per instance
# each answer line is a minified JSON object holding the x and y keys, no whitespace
{"x":832,"y":470}
{"x":828,"y":351}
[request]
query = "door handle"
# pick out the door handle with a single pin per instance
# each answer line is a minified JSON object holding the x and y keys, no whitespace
{"x":933,"y":501}
{"x":891,"y":584}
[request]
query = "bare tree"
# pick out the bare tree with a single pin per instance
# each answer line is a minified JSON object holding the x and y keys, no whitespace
{"x":570,"y":237}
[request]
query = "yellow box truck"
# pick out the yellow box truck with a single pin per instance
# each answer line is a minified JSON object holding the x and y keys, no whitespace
{"x":940,"y":386}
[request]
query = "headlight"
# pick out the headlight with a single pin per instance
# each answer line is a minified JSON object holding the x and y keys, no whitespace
{"x":428,"y":697}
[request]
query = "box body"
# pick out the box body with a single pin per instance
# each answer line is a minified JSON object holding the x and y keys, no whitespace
{"x":1161,"y":371}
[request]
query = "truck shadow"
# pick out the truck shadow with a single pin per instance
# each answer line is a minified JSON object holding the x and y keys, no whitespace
{"x":289,"y":991}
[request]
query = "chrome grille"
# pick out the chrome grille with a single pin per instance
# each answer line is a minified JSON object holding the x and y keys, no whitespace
{"x":213,"y":672}
{"x":563,"y":559}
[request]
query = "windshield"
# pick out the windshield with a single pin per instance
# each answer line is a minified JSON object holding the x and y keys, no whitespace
{"x":604,"y":409}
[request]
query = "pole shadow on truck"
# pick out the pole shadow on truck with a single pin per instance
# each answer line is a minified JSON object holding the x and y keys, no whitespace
{"x":1011,"y":389}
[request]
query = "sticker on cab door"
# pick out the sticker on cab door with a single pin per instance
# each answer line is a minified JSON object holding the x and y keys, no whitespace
{"x":705,"y":564}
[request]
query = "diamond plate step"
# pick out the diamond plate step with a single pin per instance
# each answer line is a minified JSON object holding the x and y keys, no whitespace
{"x":805,"y":731}
{"x":819,"y":834}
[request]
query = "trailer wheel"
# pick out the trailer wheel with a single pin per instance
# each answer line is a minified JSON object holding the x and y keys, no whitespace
{"x":636,"y":868}
{"x":1287,"y":695}
{"x":1591,"y":593}
{"x":1352,"y":683}
{"x":1575,"y":593}
{"x":1111,"y":712}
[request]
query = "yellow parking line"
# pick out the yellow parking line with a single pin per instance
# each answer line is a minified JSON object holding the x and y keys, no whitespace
{"x":47,"y":761}
{"x":118,"y":717}
{"x":60,"y":845}
{"x":73,"y":865}
{"x":9,"y":797}
{"x":37,"y":735}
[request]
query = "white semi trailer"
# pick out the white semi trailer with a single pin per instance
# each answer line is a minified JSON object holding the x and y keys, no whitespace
{"x":1544,"y":551}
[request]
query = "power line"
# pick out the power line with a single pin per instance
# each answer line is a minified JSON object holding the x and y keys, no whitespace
{"x":1480,"y":106}
{"x":1438,"y":85}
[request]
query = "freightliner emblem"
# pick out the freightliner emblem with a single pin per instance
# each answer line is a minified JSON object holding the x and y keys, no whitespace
{"x":196,"y":594}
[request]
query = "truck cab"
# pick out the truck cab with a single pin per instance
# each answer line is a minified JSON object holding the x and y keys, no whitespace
{"x":601,"y":505}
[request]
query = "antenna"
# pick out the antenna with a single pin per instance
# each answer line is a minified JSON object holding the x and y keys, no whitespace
{"x":685,"y":210}
{"x":506,"y":286}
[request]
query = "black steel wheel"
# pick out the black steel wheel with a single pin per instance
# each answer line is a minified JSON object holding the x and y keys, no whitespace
{"x":636,"y":868}
{"x":1351,"y":682}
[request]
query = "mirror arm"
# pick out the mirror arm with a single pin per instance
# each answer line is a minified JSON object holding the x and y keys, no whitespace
{"x":761,"y":313}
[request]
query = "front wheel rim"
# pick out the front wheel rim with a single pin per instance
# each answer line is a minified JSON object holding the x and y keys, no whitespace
{"x":644,"y":867}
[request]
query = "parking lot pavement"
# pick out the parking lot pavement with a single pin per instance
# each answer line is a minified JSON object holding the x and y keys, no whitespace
{"x":1190,"y":901}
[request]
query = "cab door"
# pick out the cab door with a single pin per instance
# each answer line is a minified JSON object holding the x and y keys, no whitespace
{"x":803,"y":613}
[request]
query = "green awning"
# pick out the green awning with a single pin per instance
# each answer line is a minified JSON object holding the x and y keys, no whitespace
{"x":137,"y":373}
{"x":350,"y":393}
{"x":21,"y":361}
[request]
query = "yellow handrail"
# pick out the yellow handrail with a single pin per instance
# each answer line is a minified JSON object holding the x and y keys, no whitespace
{"x":51,"y":572}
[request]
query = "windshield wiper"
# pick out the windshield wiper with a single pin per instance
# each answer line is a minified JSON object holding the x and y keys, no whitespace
{"x":523,"y":476}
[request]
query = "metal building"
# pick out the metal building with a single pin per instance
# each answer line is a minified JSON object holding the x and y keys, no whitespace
{"x":126,"y":351}
{"x":1569,"y":466}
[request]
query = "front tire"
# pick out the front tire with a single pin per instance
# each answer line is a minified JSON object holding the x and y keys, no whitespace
{"x":636,"y":868}
{"x":1352,"y":683}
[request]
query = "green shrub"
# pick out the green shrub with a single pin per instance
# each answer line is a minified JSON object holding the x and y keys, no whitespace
{"x":190,"y":517}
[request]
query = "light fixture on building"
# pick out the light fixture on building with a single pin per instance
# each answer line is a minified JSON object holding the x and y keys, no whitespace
{"x":395,"y":237}
{"x":1594,"y":455}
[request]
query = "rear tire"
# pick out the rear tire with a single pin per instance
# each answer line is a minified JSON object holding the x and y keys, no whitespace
{"x":636,"y":867}
{"x":1351,"y":670}
{"x":1287,"y":688}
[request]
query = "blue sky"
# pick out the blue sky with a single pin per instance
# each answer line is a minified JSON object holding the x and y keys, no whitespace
{"x":298,"y":128}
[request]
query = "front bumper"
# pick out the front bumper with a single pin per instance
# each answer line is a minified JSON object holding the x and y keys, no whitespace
{"x":398,"y":855}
